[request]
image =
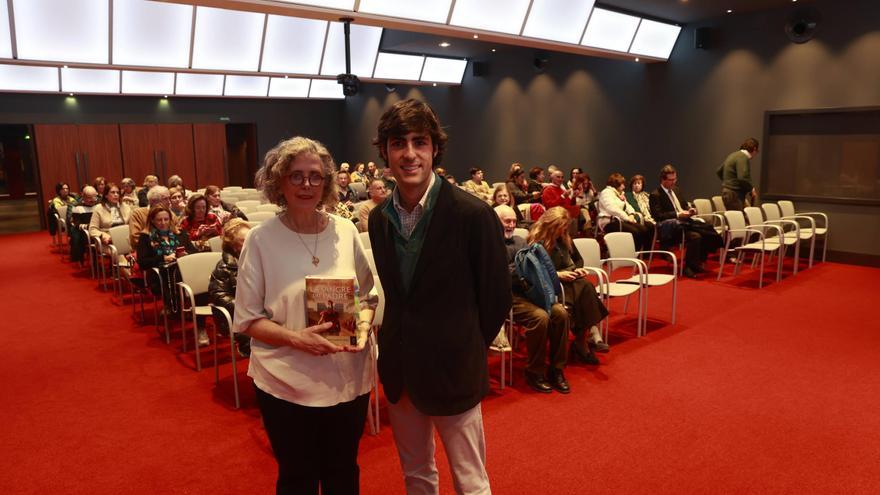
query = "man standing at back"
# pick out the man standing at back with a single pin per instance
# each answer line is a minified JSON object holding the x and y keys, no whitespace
{"x":735,"y":173}
{"x":441,"y":257}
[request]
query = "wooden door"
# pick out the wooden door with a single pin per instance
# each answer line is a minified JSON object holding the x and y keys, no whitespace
{"x":140,"y":151}
{"x":58,"y":158}
{"x":210,"y":146}
{"x":101,"y":152}
{"x":176,"y":153}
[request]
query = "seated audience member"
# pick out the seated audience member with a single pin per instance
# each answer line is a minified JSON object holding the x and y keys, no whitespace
{"x":517,"y":185}
{"x":78,"y":216}
{"x":450,"y":179}
{"x":178,"y":201}
{"x":554,"y":168}
{"x":674,"y":214}
{"x":615,"y":214}
{"x":200,"y":224}
{"x":223,"y":279}
{"x":62,"y":196}
{"x":555,"y":195}
{"x":551,"y":230}
{"x":377,"y":194}
{"x":372,"y":171}
{"x":137,"y":222}
{"x":536,"y":184}
{"x":346,"y":194}
{"x":440,"y":171}
{"x":572,"y":176}
{"x":159,"y":245}
{"x":150,"y":182}
{"x":99,"y":184}
{"x":358,"y":175}
{"x":542,"y":329}
{"x":222,"y":209}
{"x":110,"y":212}
{"x":128,"y":194}
{"x":388,"y":178}
{"x":501,"y":197}
{"x":344,"y":166}
{"x":177,"y":181}
{"x":638,"y":198}
{"x":477,"y":186}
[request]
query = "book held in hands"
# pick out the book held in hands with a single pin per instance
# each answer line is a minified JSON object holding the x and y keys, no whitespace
{"x":333,"y":300}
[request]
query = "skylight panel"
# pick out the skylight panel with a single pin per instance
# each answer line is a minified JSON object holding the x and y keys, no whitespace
{"x":293,"y":45}
{"x":610,"y":30}
{"x":558,"y":20}
{"x":151,"y":34}
{"x":364,"y":47}
{"x":62,"y":31}
{"x":503,"y":16}
{"x":227,"y":39}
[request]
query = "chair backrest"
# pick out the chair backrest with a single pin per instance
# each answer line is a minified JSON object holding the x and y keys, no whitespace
{"x":753,"y":215}
{"x":718,"y":203}
{"x":249,"y":189}
{"x":216,"y":244}
{"x":620,"y":245}
{"x":222,"y":318}
{"x":735,"y":221}
{"x":380,"y":307}
{"x":787,"y":208}
{"x":196,"y":270}
{"x":269,"y":207}
{"x":365,"y":240}
{"x":244,"y":209}
{"x":259,"y":216}
{"x":231,"y":189}
{"x":230,"y":198}
{"x":496,"y":184}
{"x":589,"y":250}
{"x":703,"y":206}
{"x":525,"y":209}
{"x":524,"y":233}
{"x":248,"y":203}
{"x":771,"y":211}
{"x":360,"y":190}
{"x":62,"y":211}
{"x":119,"y":238}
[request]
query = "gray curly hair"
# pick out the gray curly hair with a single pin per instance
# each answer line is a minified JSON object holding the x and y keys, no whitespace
{"x":277,"y":162}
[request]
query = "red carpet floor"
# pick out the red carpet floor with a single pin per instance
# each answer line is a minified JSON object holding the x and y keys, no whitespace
{"x":770,"y":391}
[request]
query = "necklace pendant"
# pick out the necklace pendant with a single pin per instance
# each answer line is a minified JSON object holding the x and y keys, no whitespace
{"x":315,"y":260}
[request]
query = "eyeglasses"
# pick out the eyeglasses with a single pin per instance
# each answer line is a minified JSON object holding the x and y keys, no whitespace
{"x":298,"y":179}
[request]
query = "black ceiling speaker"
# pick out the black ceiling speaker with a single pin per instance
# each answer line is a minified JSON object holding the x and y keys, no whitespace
{"x":350,"y":82}
{"x":800,"y":25}
{"x":540,"y":62}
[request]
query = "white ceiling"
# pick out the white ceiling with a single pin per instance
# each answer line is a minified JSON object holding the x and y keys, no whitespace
{"x":147,"y":47}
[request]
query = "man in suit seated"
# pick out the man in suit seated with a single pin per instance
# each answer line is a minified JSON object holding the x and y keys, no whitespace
{"x":673,"y":214}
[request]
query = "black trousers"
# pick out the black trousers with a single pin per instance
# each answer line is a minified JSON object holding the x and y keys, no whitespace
{"x":315,"y":446}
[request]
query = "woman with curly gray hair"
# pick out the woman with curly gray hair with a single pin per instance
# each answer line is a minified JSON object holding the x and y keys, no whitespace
{"x":312,"y":394}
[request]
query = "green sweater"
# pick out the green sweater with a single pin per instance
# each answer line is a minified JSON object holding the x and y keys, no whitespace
{"x":735,"y":172}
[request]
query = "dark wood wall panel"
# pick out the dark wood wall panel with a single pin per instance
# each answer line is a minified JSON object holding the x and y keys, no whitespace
{"x":177,"y":156}
{"x":101,"y":151}
{"x":57,"y":155}
{"x":210,"y":148}
{"x":140,"y":150}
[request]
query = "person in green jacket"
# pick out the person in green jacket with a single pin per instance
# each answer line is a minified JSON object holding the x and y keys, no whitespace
{"x":737,"y":190}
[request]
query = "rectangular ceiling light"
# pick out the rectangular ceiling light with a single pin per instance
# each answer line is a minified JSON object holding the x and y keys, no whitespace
{"x":280,"y":87}
{"x":558,"y":20}
{"x":394,"y":66}
{"x":199,"y":84}
{"x":293,"y":45}
{"x":246,"y":86}
{"x":424,"y":10}
{"x":151,"y":34}
{"x":25,"y":78}
{"x":503,"y":16}
{"x":326,"y":88}
{"x":364,"y":47}
{"x":330,"y":4}
{"x":62,"y":31}
{"x":655,"y":39}
{"x":444,"y":70}
{"x":227,"y":39}
{"x":89,"y":81}
{"x":610,"y":30}
{"x":5,"y":37}
{"x":147,"y":83}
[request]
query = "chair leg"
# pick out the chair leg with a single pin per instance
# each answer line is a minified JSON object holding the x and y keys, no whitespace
{"x":761,"y":275}
{"x":234,"y":369}
{"x":825,"y":243}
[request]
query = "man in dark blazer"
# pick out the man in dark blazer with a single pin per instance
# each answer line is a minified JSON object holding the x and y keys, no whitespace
{"x":673,"y":214}
{"x":441,"y":258}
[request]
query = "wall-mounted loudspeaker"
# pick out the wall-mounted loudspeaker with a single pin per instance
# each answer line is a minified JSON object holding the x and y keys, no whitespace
{"x":702,"y":38}
{"x":480,"y":69}
{"x":540,"y":62}
{"x":800,"y":25}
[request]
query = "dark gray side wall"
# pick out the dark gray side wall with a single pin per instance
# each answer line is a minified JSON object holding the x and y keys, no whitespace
{"x":692,"y":111}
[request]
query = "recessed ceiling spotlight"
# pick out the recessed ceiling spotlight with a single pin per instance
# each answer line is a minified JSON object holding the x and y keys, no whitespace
{"x":637,"y":59}
{"x":493,"y":50}
{"x":165,"y":97}
{"x":729,"y":11}
{"x":444,"y":44}
{"x":64,"y":67}
{"x":434,"y":84}
{"x":69,"y":94}
{"x":476,"y":36}
{"x":286,"y":76}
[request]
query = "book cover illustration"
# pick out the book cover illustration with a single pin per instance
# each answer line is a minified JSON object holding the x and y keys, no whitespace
{"x":334,"y":300}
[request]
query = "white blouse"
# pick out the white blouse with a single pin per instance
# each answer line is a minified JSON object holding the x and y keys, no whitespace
{"x":612,"y":206}
{"x":271,"y":284}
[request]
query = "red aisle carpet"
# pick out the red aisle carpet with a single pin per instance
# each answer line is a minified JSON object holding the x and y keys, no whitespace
{"x":771,"y":391}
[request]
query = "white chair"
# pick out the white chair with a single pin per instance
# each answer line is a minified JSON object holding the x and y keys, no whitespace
{"x":229,"y":198}
{"x":195,"y":275}
{"x":802,"y":233}
{"x":756,"y":219}
{"x":378,"y":315}
{"x":231,"y":189}
{"x":525,"y":209}
{"x":788,"y":211}
{"x":745,"y":236}
{"x":216,"y":244}
{"x":244,"y":209}
{"x":496,"y":184}
{"x":522,"y":233}
{"x":621,"y":251}
{"x":591,"y":254}
{"x":248,"y":203}
{"x":718,"y":204}
{"x":268,"y":207}
{"x":120,"y":248}
{"x":360,"y":190}
{"x":222,"y":320}
{"x":365,"y":239}
{"x":259,"y":216}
